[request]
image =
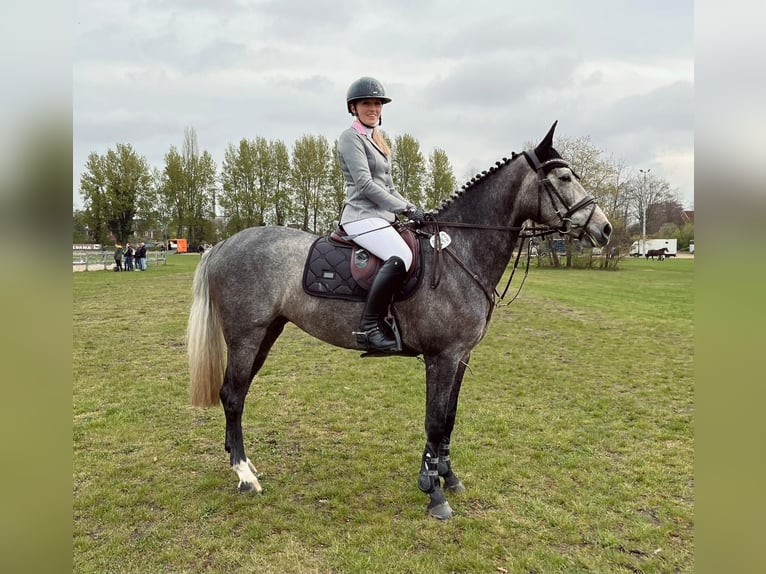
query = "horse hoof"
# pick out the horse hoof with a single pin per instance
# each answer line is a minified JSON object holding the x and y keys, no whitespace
{"x":249,"y":487}
{"x":441,"y":511}
{"x":458,"y":487}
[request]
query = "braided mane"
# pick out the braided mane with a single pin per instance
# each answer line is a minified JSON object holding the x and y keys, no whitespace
{"x":470,"y":184}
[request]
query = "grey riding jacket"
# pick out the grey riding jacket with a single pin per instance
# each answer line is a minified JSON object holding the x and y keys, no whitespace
{"x":369,"y":186}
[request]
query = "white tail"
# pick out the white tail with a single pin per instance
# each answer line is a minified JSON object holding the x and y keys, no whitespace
{"x":205,"y":345}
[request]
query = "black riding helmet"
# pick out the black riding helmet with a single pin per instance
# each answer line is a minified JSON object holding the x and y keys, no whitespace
{"x":363,"y":88}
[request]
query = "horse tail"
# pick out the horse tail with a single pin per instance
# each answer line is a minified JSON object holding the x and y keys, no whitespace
{"x":205,"y":345}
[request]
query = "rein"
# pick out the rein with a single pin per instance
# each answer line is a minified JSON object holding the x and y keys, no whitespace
{"x":491,"y":292}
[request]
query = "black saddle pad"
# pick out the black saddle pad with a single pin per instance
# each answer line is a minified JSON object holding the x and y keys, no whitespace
{"x":327,"y":273}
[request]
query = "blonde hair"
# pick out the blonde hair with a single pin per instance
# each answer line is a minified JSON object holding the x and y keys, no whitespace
{"x":377,"y":137}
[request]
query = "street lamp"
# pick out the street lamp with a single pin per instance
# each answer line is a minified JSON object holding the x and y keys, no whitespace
{"x":644,"y":202}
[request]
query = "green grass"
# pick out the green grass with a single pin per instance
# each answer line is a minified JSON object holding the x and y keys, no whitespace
{"x":574,"y":438}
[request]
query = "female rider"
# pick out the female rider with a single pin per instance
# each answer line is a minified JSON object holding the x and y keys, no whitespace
{"x":371,"y":206}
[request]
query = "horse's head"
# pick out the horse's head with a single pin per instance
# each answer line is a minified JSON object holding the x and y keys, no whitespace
{"x":562,"y":202}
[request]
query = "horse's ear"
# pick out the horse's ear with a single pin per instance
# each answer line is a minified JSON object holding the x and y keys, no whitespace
{"x":547,"y":142}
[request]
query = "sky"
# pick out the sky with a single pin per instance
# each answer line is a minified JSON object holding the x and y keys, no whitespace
{"x":477,"y":79}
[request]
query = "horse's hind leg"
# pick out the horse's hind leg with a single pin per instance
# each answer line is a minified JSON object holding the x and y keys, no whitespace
{"x":236,"y":383}
{"x":244,"y":361}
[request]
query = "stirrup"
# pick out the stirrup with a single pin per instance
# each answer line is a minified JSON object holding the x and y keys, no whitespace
{"x":363,"y":341}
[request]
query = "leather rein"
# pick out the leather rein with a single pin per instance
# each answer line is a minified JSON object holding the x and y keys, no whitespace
{"x":565,"y":227}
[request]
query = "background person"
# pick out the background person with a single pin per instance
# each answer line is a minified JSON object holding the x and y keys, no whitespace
{"x":371,"y":206}
{"x":118,"y":257}
{"x":141,"y":256}
{"x":128,"y":257}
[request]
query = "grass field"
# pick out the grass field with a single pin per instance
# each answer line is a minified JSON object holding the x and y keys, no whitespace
{"x":574,"y":438}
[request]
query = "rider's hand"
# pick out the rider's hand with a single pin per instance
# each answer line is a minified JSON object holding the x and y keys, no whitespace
{"x":415,"y":214}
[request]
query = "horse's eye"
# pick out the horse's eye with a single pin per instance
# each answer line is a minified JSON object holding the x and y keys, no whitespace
{"x":566,"y":177}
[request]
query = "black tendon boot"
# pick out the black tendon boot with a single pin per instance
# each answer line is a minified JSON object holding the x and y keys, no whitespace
{"x":387,"y":282}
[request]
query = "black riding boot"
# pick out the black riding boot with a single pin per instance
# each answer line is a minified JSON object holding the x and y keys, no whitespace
{"x":387,"y":282}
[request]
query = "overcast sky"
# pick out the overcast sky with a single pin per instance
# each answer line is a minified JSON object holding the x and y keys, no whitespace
{"x":476,"y":78}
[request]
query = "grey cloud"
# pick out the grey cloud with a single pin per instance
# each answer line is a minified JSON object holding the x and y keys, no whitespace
{"x":667,"y":108}
{"x":478,"y":79}
{"x":503,"y":80}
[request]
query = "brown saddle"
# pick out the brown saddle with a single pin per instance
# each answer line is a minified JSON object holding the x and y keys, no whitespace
{"x":338,"y":268}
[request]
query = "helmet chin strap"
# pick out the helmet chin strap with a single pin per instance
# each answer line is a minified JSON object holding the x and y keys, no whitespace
{"x":380,"y":122}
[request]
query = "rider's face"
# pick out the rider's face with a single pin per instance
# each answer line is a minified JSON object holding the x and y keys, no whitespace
{"x":368,"y":111}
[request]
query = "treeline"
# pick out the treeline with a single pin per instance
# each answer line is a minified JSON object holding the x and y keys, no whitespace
{"x":260,"y":182}
{"x":263,"y":182}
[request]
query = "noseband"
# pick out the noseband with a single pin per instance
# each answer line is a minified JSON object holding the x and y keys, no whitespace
{"x":565,"y":226}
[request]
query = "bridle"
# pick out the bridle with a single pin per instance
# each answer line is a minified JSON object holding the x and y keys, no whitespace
{"x":559,"y":204}
{"x":543,"y":183}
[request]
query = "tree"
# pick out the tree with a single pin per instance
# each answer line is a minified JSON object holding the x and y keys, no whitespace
{"x":112,"y":187}
{"x":155,"y":212}
{"x":667,"y":230}
{"x":171,"y":191}
{"x":644,"y":190}
{"x":80,"y":229}
{"x":200,"y":189}
{"x":600,"y":176}
{"x":242,"y":199}
{"x":440,"y":182}
{"x":280,"y":160}
{"x":408,"y":169}
{"x":93,"y":187}
{"x":309,"y":177}
{"x":684,"y":235}
{"x":661,"y":213}
{"x":187,"y":190}
{"x":337,"y":184}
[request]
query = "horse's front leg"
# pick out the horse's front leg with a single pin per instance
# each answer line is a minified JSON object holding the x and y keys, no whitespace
{"x":233,"y":392}
{"x":451,"y":482}
{"x":441,"y":407}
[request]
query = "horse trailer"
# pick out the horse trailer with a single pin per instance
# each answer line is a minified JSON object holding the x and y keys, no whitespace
{"x":642,"y":246}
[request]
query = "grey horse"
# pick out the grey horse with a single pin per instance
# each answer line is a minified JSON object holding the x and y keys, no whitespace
{"x":247,"y":287}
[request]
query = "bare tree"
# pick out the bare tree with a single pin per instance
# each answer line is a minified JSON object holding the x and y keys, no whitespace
{"x":600,"y":175}
{"x":645,"y":189}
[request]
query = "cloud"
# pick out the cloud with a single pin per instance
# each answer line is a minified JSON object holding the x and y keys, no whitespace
{"x":476,"y":80}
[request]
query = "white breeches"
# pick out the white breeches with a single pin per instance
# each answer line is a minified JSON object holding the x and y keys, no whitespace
{"x":383,"y":242}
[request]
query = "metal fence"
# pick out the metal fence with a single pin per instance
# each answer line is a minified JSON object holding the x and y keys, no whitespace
{"x":104,"y":260}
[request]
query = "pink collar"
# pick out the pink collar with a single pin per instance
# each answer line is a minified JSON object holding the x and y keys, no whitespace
{"x":359,"y":127}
